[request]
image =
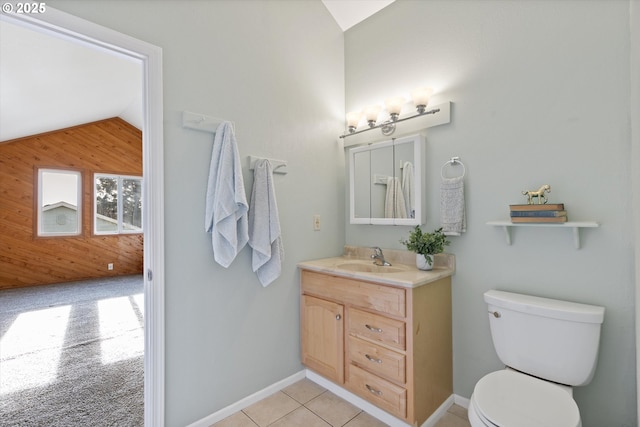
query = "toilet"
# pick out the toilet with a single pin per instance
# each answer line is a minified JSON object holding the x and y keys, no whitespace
{"x":548,"y":347}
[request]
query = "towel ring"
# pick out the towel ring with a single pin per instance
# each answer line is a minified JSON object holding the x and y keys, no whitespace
{"x":452,"y":162}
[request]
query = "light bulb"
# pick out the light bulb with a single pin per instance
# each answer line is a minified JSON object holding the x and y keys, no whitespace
{"x":353,"y":118}
{"x":371,"y":113}
{"x":421,"y":97}
{"x":394,"y":106}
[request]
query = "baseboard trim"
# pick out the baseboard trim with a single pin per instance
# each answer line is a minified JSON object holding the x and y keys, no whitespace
{"x":376,"y":412}
{"x":439,"y":413}
{"x":357,"y":401}
{"x":248,"y":401}
{"x":461,"y":401}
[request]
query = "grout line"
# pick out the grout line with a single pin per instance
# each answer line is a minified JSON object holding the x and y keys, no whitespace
{"x":353,"y":418}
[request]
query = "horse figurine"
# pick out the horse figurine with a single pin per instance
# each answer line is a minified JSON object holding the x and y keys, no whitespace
{"x":539,"y":194}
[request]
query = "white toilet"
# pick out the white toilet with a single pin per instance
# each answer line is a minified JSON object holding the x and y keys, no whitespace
{"x":549,"y":346}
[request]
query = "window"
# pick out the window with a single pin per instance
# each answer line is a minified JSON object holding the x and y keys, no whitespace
{"x":59,"y":210}
{"x":118,"y":204}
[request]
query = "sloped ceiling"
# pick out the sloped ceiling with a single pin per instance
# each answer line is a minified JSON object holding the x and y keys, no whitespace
{"x":348,"y":13}
{"x":49,"y":83}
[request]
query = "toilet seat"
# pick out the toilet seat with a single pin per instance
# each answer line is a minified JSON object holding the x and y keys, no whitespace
{"x":507,"y":398}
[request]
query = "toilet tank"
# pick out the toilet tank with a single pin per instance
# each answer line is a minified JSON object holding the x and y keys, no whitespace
{"x":551,"y":339}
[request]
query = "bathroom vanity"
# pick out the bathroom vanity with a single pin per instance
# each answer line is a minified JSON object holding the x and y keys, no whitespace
{"x":383,"y":333}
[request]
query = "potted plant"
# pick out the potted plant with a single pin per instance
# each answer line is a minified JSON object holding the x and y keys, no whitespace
{"x":425,"y":245}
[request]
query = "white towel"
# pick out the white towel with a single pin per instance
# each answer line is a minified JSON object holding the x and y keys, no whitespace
{"x":226,"y":203}
{"x":407,"y":189}
{"x":394,"y":206}
{"x":452,"y":216}
{"x":264,"y":225}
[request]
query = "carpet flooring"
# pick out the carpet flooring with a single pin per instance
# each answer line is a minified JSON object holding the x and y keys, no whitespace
{"x":72,"y":354}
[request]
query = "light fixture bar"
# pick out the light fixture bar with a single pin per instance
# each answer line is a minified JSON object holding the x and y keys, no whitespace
{"x":434,"y":111}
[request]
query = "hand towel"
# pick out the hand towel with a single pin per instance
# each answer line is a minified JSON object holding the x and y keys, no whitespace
{"x":394,"y":205}
{"x":407,"y":189}
{"x":452,"y":215}
{"x":264,"y":225}
{"x":226,"y":203}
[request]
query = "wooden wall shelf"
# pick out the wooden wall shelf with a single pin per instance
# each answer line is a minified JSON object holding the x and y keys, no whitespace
{"x":574,"y":225}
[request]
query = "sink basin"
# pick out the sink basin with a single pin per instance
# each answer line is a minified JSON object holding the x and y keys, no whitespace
{"x":364,"y":267}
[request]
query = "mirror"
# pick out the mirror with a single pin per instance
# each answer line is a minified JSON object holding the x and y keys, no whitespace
{"x":385,"y":181}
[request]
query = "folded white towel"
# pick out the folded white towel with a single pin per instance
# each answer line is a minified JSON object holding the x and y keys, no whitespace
{"x":226,"y":203}
{"x":408,"y":190}
{"x":264,"y":225}
{"x":452,"y":215}
{"x":394,"y":205}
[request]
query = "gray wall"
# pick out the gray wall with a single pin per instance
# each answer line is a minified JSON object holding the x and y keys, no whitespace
{"x":276,"y":69}
{"x":540,"y":94}
{"x":635,"y":157}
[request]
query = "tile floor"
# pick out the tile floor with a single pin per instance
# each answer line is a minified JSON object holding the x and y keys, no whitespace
{"x":307,"y":404}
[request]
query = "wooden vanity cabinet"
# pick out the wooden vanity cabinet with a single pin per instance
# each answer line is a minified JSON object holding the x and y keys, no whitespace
{"x":323,"y":337}
{"x":390,"y":345}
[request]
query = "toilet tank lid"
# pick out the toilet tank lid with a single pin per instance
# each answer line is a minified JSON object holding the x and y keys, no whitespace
{"x":546,"y":307}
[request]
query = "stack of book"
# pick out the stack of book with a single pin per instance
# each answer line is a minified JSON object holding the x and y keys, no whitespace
{"x":552,"y":212}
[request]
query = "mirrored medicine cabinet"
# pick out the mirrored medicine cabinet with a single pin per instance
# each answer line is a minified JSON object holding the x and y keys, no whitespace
{"x":385,"y":182}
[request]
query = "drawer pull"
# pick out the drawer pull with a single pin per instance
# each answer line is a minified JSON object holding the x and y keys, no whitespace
{"x":373,"y":359}
{"x":373,"y":390}
{"x":373,"y":329}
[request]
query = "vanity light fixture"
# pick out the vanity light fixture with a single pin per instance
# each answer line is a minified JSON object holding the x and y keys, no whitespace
{"x":371,"y":114}
{"x":420,"y":98}
{"x":394,"y":107}
{"x":353,"y":118}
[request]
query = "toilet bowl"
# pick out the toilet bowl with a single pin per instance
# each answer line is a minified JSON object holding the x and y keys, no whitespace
{"x":509,"y":398}
{"x":548,"y":347}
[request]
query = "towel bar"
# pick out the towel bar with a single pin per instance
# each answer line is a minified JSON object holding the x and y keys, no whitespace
{"x":277,"y":165}
{"x":202,"y":122}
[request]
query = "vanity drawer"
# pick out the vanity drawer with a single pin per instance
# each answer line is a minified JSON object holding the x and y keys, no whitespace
{"x":385,"y":299}
{"x":379,"y":360}
{"x":382,"y":393}
{"x":377,"y":328}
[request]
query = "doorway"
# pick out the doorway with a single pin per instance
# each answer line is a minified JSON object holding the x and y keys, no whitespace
{"x":81,"y":31}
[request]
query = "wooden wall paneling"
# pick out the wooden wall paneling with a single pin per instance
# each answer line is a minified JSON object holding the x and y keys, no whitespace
{"x":107,"y":146}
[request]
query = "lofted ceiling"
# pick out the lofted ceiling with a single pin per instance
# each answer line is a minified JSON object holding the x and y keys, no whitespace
{"x":49,"y":83}
{"x":348,"y":13}
{"x":61,"y":83}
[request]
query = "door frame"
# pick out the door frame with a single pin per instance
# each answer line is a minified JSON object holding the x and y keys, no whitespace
{"x":93,"y":35}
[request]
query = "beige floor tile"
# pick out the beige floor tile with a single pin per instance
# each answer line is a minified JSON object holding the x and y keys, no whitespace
{"x":365,"y":420}
{"x":333,"y":409}
{"x":450,"y":420}
{"x":304,"y":390}
{"x":239,"y":419}
{"x":300,"y":417}
{"x":459,"y":411}
{"x":271,"y":409}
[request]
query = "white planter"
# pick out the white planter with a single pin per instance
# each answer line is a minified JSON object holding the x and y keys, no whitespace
{"x":422,"y":263}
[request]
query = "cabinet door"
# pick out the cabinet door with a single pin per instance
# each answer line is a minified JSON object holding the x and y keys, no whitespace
{"x":322,"y":337}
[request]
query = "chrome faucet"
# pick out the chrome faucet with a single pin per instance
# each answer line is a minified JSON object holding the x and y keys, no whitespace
{"x":378,"y":257}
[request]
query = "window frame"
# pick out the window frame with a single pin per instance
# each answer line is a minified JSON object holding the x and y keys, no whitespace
{"x":120,"y":207}
{"x":38,"y":199}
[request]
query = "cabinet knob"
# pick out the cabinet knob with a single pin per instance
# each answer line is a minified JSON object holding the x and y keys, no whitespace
{"x":338,"y":317}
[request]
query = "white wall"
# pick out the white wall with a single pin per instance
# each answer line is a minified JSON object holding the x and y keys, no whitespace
{"x":540,"y":94}
{"x":276,"y":69}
